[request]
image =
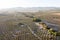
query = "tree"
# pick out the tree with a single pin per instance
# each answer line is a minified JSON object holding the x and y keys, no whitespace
{"x":36,"y":20}
{"x":52,"y":32}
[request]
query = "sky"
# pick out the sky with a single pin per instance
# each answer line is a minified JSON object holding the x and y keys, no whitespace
{"x":29,"y":3}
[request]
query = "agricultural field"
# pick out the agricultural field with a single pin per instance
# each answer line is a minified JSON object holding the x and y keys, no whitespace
{"x":20,"y":25}
{"x":15,"y":28}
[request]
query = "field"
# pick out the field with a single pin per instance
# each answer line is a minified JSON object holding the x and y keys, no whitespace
{"x":15,"y":26}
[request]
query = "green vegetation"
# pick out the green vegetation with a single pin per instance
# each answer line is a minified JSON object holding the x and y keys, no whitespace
{"x":52,"y":32}
{"x":36,"y":19}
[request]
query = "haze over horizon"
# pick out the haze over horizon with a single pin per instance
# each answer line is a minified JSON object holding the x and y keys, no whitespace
{"x":28,"y":3}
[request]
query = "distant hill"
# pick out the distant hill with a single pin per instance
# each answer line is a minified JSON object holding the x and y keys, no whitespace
{"x":29,"y":9}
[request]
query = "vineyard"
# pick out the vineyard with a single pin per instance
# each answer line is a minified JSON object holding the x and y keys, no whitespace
{"x":27,"y":29}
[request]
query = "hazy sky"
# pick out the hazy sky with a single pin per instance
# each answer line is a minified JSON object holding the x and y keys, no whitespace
{"x":29,"y":3}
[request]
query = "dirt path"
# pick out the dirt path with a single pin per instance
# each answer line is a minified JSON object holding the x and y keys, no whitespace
{"x":33,"y":33}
